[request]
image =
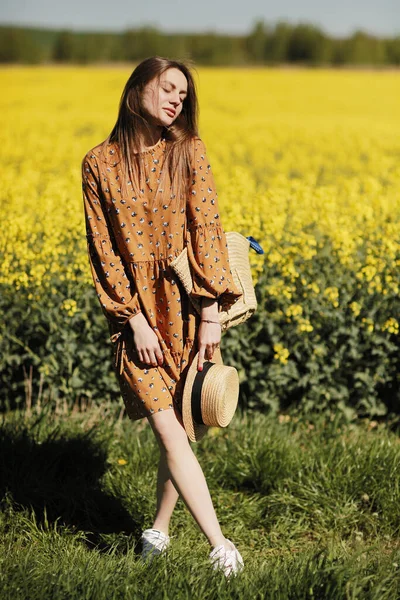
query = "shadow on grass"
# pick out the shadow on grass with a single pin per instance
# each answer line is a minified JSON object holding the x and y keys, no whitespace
{"x":59,"y":478}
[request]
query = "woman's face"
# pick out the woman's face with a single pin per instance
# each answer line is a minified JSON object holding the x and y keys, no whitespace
{"x":163,"y":98}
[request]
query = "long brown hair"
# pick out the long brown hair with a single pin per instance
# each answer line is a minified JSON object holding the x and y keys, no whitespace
{"x":132,"y":125}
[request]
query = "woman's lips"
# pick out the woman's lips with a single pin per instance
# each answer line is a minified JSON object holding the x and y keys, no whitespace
{"x":170,"y":111}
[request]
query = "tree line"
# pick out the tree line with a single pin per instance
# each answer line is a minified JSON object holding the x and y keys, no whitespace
{"x":265,"y":44}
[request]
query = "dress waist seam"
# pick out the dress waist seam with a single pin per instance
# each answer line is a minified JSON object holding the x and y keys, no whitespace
{"x":155,"y":260}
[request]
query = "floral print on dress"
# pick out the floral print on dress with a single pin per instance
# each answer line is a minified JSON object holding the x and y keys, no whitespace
{"x":131,"y":243}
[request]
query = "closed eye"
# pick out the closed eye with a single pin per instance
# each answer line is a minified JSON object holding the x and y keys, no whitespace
{"x":170,"y":88}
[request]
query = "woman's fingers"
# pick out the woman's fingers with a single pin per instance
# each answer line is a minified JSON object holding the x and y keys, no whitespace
{"x":146,"y":341}
{"x":156,"y":356}
{"x":210,"y":351}
{"x":144,"y":356}
{"x":206,"y":352}
{"x":201,"y":357}
{"x":159,"y":356}
{"x":151,"y":356}
{"x":209,"y":339}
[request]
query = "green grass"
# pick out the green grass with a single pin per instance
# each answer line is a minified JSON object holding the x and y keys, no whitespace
{"x":313,"y":508}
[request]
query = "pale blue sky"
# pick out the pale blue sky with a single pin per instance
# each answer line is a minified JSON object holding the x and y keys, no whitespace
{"x":337,"y":17}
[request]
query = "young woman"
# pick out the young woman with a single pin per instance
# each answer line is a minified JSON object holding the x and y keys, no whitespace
{"x":148,"y":190}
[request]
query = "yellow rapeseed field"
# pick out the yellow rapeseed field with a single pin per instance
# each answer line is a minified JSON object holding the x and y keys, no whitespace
{"x":297,"y":154}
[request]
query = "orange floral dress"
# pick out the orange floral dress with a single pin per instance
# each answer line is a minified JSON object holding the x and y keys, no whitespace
{"x":130,"y":245}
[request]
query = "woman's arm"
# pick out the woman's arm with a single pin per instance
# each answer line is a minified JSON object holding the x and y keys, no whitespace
{"x":207,"y":245}
{"x":118,"y":298}
{"x":208,"y":253}
{"x":119,"y":301}
{"x":209,"y":331}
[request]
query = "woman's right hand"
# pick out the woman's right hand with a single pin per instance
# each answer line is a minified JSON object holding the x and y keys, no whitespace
{"x":146,"y":341}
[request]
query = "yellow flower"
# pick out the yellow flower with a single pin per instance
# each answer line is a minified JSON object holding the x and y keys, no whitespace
{"x":368,"y":323}
{"x":305,"y":325}
{"x":299,"y":181}
{"x":284,"y":419}
{"x":214,"y":431}
{"x":281,"y":353}
{"x":122,"y":461}
{"x":332,"y":293}
{"x":70,"y":307}
{"x":314,"y":287}
{"x":294,"y":310}
{"x":356,"y":308}
{"x":391,"y":325}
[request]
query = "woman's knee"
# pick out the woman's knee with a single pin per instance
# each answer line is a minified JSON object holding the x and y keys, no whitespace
{"x":169,"y":432}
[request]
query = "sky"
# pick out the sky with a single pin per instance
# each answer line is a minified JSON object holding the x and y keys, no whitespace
{"x":336,"y":17}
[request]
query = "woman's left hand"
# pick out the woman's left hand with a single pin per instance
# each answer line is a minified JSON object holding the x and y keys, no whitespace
{"x":209,"y":339}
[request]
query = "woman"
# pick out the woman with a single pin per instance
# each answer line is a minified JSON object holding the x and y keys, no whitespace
{"x":148,"y":190}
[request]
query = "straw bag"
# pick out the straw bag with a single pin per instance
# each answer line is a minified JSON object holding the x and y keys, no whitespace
{"x":238,"y":252}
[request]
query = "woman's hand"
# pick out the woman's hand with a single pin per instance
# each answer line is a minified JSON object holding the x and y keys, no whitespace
{"x":209,"y":333}
{"x":146,"y":341}
{"x":209,"y":339}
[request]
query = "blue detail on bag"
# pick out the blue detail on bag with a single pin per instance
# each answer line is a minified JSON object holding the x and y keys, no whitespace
{"x":255,"y":245}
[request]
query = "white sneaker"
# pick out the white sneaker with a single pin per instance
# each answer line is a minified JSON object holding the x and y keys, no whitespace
{"x":229,"y":561}
{"x":153,"y":543}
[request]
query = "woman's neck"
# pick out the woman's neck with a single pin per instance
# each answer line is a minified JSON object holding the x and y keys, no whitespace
{"x":150,"y":138}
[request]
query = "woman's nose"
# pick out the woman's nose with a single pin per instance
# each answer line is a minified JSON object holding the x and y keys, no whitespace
{"x":175,"y":100}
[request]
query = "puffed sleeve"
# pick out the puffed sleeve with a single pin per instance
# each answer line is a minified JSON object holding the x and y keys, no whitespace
{"x":118,"y":300}
{"x":206,"y":240}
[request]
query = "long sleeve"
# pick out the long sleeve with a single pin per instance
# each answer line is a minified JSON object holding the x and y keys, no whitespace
{"x":207,"y":245}
{"x":118,"y":300}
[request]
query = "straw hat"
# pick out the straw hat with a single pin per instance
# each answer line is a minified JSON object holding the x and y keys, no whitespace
{"x":210,"y":396}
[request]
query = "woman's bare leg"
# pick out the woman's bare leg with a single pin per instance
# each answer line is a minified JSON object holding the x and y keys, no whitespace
{"x":186,"y":474}
{"x":167,"y":496}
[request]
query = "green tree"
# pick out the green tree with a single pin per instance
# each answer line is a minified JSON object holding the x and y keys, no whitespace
{"x":277,"y":49}
{"x":257,"y":43}
{"x":64,"y":47}
{"x":141,"y":43}
{"x":364,"y":49}
{"x":309,"y":44}
{"x":393,"y":50}
{"x":264,"y":44}
{"x":17,"y":45}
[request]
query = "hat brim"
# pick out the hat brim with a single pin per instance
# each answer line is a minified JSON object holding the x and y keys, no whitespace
{"x":195,"y":431}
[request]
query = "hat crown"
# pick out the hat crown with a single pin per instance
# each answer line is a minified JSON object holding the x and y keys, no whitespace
{"x":219,"y":395}
{"x":210,"y":396}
